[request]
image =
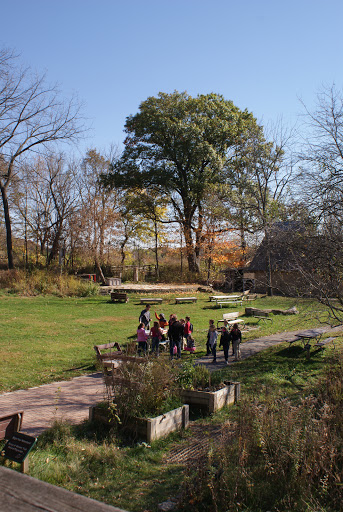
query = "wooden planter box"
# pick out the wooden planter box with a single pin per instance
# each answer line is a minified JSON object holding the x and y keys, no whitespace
{"x":149,"y":429}
{"x":212,"y":401}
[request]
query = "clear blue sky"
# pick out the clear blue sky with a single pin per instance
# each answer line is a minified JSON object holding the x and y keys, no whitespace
{"x":261,"y":54}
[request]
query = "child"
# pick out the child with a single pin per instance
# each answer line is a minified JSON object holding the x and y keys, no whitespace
{"x":188,"y":328}
{"x":142,"y":337}
{"x":190,"y":344}
{"x":163,"y":323}
{"x":213,"y":335}
{"x":208,"y":350}
{"x":156,"y":336}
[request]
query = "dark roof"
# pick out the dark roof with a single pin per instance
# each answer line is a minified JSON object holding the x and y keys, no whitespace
{"x":281,"y":245}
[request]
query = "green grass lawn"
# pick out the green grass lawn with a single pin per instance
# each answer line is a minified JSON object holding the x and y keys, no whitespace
{"x":46,"y":339}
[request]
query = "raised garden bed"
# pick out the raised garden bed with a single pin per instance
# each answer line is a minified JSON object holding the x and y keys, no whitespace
{"x":212,"y":401}
{"x":147,"y":429}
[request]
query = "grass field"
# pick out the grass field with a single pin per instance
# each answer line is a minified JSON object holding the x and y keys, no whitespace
{"x":46,"y":339}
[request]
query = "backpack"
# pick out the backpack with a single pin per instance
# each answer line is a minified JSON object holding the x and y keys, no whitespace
{"x":191,"y":327}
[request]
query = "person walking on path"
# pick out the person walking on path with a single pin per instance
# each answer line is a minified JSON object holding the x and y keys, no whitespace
{"x":144,"y":317}
{"x":175,"y":335}
{"x":225,"y":343}
{"x":213,"y":342}
{"x":236,"y":337}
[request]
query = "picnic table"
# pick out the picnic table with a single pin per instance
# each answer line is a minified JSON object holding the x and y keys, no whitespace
{"x":308,"y":335}
{"x":214,"y":298}
{"x":233,"y":299}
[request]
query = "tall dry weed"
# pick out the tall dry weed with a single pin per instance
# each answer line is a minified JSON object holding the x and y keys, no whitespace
{"x":285,"y":456}
{"x":45,"y":282}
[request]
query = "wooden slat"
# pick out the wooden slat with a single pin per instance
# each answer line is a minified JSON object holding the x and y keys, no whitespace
{"x":10,"y":423}
{"x":22,"y":493}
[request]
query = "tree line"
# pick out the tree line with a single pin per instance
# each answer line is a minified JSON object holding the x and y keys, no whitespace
{"x":192,"y":168}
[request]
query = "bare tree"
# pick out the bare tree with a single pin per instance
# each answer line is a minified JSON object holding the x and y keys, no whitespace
{"x":322,"y":155}
{"x":322,"y":171}
{"x":261,"y":172}
{"x":98,"y":204}
{"x":32,"y":116}
{"x":48,"y":202}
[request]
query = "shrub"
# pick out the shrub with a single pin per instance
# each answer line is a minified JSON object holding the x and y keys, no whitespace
{"x":198,"y":377}
{"x":144,"y":389}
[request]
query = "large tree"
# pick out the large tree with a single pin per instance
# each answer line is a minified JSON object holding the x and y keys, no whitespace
{"x":179,"y":144}
{"x":32,"y":116}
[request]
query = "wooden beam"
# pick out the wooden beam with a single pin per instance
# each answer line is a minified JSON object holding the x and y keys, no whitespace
{"x":23,"y":493}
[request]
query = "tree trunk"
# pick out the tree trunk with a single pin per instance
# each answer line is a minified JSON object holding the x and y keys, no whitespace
{"x":191,"y":257}
{"x":268,"y":266}
{"x":8,"y":228}
{"x":198,"y":237}
{"x":55,"y":245}
{"x":156,"y":249}
{"x":102,"y":277}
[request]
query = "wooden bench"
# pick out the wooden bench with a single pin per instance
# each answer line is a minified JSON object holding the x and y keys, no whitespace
{"x":232,"y":322}
{"x":107,"y":355}
{"x":185,"y":299}
{"x":262,"y":315}
{"x":321,"y":344}
{"x":221,"y":303}
{"x":253,"y":296}
{"x":110,"y":359}
{"x":151,"y":300}
{"x":119,"y":297}
{"x":10,"y":424}
{"x":214,"y":298}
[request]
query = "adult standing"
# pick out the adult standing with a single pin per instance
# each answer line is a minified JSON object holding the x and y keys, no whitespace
{"x":225,"y":343}
{"x":213,"y":342}
{"x":175,"y":334}
{"x":144,"y":317}
{"x":236,"y":337}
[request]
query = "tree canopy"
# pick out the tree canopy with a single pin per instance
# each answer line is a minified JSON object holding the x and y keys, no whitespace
{"x":179,"y":144}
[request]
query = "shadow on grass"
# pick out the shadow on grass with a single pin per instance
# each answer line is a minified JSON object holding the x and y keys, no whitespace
{"x":290,"y":352}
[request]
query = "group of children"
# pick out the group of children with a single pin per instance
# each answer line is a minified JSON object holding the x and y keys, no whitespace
{"x":180,"y":333}
{"x":158,"y":333}
{"x":233,"y":336}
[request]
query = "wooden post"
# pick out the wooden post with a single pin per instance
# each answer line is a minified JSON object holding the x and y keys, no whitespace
{"x":24,"y":466}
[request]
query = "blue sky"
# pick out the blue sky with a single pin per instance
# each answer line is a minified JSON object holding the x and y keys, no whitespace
{"x":262,"y":54}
